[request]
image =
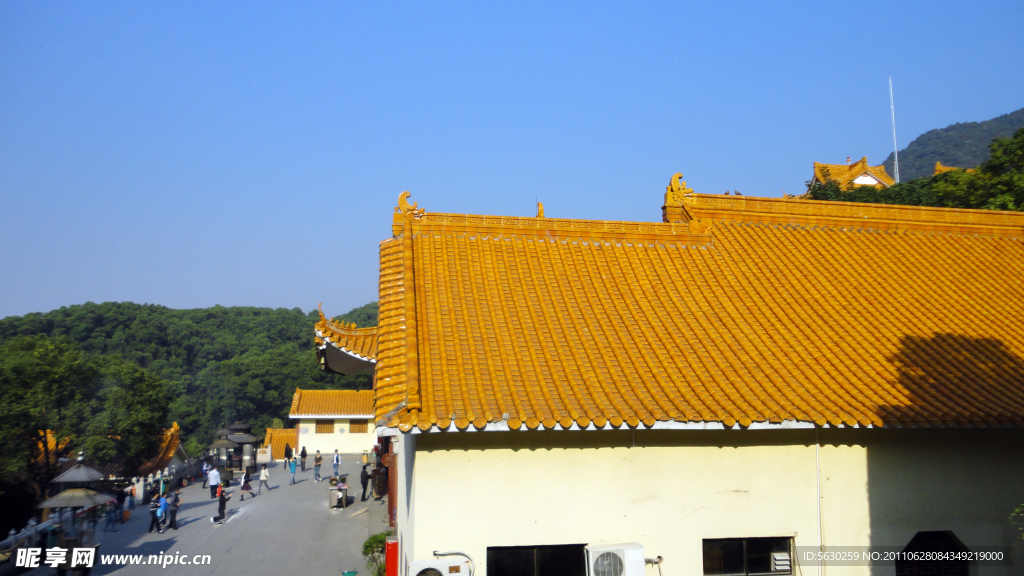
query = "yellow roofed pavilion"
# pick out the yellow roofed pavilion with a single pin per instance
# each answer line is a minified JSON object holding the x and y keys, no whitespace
{"x":855,"y":174}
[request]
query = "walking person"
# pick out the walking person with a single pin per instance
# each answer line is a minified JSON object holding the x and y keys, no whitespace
{"x":173,"y":501}
{"x":111,"y":524}
{"x":364,"y":479}
{"x":246,"y":487}
{"x":287,"y":455}
{"x":293,"y":466}
{"x":222,"y":506}
{"x":318,"y":461}
{"x":337,"y":461}
{"x":164,"y":504}
{"x":131,"y":499}
{"x":154,"y":513}
{"x":206,"y":472}
{"x":302,"y":458}
{"x":119,"y":497}
{"x":214,"y":482}
{"x":264,"y":480}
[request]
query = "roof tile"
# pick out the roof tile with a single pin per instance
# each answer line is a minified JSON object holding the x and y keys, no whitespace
{"x":833,"y":313}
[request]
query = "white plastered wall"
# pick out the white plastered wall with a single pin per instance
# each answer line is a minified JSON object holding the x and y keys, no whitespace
{"x":343,"y":439}
{"x":669,"y":490}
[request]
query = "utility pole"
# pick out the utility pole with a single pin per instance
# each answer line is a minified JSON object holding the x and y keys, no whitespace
{"x":895,"y":150}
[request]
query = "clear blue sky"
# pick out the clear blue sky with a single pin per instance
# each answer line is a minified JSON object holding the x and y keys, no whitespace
{"x":192,"y":154}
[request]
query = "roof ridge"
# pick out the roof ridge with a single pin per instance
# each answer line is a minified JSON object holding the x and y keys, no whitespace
{"x":796,"y":211}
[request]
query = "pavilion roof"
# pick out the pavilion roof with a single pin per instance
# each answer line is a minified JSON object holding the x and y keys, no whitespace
{"x":356,"y":347}
{"x":847,"y":173}
{"x":332,"y":404}
{"x":276,"y":438}
{"x":742,"y":311}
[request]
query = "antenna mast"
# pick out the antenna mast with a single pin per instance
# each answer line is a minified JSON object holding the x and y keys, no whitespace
{"x":895,"y":149}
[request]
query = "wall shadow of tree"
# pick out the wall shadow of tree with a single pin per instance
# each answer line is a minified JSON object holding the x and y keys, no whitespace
{"x":956,"y":380}
{"x":949,"y":458}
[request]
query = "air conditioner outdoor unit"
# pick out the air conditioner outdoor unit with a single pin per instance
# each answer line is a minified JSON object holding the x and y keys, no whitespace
{"x":440,"y":567}
{"x":615,"y":560}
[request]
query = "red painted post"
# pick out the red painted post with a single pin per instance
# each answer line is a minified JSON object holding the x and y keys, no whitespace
{"x":391,"y":556}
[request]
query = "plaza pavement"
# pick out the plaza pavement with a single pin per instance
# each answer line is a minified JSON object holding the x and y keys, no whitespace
{"x":288,"y":530}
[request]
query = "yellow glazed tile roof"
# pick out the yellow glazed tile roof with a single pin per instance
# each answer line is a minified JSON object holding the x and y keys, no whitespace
{"x":276,"y":438}
{"x":331,"y":403}
{"x":940,"y":169}
{"x":846,"y":174}
{"x":745,"y":310}
{"x":360,"y":342}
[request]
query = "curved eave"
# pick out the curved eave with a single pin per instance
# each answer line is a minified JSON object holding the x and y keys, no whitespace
{"x":337,"y":359}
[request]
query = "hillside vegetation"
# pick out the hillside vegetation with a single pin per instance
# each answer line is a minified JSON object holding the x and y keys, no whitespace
{"x":963,"y":145}
{"x":221,"y":364}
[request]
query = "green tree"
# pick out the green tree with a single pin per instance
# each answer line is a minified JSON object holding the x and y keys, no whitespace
{"x":132,"y":416}
{"x":220,"y":364}
{"x":46,"y":384}
{"x":54,"y":402}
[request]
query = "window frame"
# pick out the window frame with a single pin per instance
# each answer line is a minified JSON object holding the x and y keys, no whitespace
{"x":362,"y":422}
{"x":746,"y":556}
{"x":321,"y":423}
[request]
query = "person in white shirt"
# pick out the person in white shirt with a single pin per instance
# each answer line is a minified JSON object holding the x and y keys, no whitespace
{"x":214,"y":482}
{"x":337,"y":460}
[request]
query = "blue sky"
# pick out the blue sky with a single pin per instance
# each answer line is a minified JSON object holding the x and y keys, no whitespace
{"x":192,"y":154}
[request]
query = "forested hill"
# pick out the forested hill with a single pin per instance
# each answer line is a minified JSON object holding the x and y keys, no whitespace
{"x":963,"y":145}
{"x":222,"y":364}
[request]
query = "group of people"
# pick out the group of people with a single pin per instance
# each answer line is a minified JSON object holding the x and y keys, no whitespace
{"x":163,"y":510}
{"x":163,"y":507}
{"x":124,"y":499}
{"x":292,"y":464}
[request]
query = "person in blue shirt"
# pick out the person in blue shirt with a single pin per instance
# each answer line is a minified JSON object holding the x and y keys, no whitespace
{"x":292,"y":465}
{"x":163,"y":508}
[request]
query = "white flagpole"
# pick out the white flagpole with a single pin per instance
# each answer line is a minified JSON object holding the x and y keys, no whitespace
{"x":895,"y":149}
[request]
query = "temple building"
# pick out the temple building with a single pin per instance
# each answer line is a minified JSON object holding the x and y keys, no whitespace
{"x":855,"y":174}
{"x":746,"y":380}
{"x":329,"y":420}
{"x":940,"y":169}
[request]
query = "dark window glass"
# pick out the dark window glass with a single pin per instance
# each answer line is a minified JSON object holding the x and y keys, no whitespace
{"x":567,"y":560}
{"x":724,"y":556}
{"x":561,"y":561}
{"x":743,"y":556}
{"x":510,"y":561}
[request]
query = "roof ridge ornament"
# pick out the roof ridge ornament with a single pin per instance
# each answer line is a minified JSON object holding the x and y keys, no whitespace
{"x":676,"y":189}
{"x":675,"y":194}
{"x":410,"y":211}
{"x":540,"y":210}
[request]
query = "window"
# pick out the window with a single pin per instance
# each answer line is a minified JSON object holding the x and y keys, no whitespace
{"x":325,"y":426}
{"x":567,"y":560}
{"x":359,"y":426}
{"x":742,"y":556}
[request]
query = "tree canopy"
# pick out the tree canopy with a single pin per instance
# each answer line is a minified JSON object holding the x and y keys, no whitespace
{"x":220,"y":364}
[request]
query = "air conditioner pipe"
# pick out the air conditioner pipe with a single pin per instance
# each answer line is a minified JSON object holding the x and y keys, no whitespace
{"x":655,"y":562}
{"x":472,"y":566}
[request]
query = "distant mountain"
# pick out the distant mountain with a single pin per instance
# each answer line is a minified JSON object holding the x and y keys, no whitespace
{"x":963,"y":145}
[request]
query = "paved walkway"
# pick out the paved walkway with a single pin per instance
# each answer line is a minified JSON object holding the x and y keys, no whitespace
{"x":288,"y":530}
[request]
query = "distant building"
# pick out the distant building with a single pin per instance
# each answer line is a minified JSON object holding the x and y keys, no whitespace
{"x":940,"y":169}
{"x":329,"y":420}
{"x":277,"y":438}
{"x":855,"y":174}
